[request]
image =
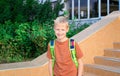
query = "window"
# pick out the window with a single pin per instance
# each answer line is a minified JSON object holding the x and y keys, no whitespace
{"x":114,"y":5}
{"x":76,"y":9}
{"x":93,"y":8}
{"x":70,"y":9}
{"x":83,"y":9}
{"x":103,"y":7}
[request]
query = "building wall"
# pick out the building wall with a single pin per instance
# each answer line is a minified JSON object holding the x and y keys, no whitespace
{"x":89,"y":10}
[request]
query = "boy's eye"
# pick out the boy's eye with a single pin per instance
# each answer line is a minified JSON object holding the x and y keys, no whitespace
{"x":60,"y":29}
{"x":57,"y":29}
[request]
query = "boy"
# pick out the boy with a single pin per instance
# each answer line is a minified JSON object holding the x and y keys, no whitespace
{"x":64,"y":65}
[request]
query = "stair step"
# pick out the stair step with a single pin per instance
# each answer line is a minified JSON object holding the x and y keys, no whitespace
{"x":89,"y":74}
{"x":116,"y":45}
{"x":112,"y":53}
{"x":102,"y":70}
{"x":108,"y":61}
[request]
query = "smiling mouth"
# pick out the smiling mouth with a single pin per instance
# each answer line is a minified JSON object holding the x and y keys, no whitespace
{"x":59,"y":34}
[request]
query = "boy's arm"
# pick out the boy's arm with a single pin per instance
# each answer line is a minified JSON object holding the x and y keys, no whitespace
{"x":80,"y":67}
{"x":50,"y":67}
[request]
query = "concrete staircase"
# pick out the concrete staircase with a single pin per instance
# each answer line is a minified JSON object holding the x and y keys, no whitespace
{"x":107,"y":65}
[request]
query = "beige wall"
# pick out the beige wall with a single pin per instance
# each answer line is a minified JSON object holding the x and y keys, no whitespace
{"x":100,"y":40}
{"x":33,"y":71}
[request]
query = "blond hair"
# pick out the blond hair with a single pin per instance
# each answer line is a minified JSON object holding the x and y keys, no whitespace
{"x":61,"y":19}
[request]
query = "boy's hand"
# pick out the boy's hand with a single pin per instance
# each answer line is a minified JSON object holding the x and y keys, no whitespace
{"x":50,"y":67}
{"x":80,"y":67}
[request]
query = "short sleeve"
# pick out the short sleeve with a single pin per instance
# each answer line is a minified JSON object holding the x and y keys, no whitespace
{"x":78,"y":51}
{"x":48,"y":52}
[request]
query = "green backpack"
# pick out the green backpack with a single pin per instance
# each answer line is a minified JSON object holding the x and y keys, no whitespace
{"x":72,"y":50}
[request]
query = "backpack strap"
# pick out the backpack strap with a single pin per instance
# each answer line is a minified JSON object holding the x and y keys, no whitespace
{"x":52,"y":43}
{"x":73,"y":51}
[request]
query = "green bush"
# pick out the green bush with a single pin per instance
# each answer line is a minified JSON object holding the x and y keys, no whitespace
{"x":24,"y":41}
{"x":19,"y":42}
{"x":25,"y":34}
{"x":73,"y":29}
{"x":28,"y":10}
{"x":8,"y":53}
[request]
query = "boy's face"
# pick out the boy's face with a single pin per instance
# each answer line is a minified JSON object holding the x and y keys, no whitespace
{"x":60,"y":30}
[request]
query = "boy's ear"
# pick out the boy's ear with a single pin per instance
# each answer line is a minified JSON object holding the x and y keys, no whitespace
{"x":67,"y":29}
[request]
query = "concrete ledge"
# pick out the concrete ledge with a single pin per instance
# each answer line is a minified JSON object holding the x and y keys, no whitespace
{"x":116,"y":45}
{"x":102,"y":70}
{"x":112,"y":53}
{"x":107,"y":61}
{"x":39,"y":61}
